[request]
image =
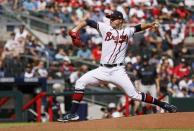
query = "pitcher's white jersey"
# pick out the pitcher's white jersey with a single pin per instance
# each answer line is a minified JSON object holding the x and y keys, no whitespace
{"x":114,"y":43}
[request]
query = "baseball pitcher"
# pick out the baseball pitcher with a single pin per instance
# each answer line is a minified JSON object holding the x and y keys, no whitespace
{"x":114,"y":45}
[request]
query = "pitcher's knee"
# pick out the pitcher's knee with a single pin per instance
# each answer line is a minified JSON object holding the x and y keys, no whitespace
{"x":80,"y":85}
{"x":137,"y":96}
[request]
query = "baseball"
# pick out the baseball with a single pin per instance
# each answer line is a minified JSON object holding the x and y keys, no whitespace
{"x":156,"y":25}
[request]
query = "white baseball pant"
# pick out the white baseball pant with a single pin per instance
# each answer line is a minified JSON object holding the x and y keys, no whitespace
{"x":116,"y":75}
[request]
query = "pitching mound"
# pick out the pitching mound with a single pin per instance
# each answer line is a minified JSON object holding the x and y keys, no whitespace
{"x":167,"y":120}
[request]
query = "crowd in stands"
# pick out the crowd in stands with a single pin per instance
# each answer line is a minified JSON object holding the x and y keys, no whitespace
{"x":165,"y":46}
{"x":73,"y":11}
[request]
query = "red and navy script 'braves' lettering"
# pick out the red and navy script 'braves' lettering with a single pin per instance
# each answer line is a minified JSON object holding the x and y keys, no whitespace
{"x":109,"y":36}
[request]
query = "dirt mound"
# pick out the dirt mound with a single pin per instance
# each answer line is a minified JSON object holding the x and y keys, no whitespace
{"x":166,"y":120}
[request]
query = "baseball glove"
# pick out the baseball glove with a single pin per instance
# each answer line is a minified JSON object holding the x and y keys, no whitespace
{"x":75,"y":38}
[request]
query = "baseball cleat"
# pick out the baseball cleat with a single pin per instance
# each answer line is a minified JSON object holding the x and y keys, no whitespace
{"x":170,"y":108}
{"x":68,"y":117}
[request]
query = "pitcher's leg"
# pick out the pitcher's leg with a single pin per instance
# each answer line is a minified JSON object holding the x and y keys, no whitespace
{"x":121,"y":79}
{"x":87,"y":79}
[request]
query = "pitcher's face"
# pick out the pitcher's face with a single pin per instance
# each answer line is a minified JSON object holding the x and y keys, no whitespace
{"x":116,"y":23}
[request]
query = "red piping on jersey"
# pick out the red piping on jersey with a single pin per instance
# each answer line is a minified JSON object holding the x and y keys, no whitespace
{"x":113,"y":52}
{"x":117,"y":41}
{"x":119,"y":49}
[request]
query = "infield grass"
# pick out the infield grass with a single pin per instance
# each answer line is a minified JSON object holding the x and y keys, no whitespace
{"x":12,"y":125}
{"x":134,"y":130}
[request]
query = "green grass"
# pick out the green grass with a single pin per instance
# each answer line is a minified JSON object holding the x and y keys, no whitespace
{"x":9,"y":125}
{"x":15,"y":124}
{"x":133,"y":130}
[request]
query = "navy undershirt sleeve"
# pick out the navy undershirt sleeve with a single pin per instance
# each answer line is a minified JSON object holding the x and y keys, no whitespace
{"x":91,"y":23}
{"x":138,"y":28}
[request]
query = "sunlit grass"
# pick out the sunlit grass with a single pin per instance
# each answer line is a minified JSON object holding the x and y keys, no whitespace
{"x":11,"y":125}
{"x":15,"y":124}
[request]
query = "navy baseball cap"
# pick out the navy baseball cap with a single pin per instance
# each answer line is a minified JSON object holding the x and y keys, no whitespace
{"x":115,"y":14}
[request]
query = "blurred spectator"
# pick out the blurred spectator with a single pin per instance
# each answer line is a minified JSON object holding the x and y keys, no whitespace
{"x":113,"y":110}
{"x":139,"y":41}
{"x":71,"y":54}
{"x":28,"y":40}
{"x":173,"y":88}
{"x":21,"y":33}
{"x":36,"y":50}
{"x":166,"y":14}
{"x":84,"y":69}
{"x":181,"y":53}
{"x":174,"y":15}
{"x":137,"y":64}
{"x":185,"y":92}
{"x":75,"y":19}
{"x":97,"y":16}
{"x":181,"y":11}
{"x":21,"y":44}
{"x":49,"y":14}
{"x":189,"y":3}
{"x":51,"y":51}
{"x":29,"y":5}
{"x":65,"y":16}
{"x":96,"y":53}
{"x":28,"y":44}
{"x":182,"y":69}
{"x":165,"y":66}
{"x":157,"y":11}
{"x":130,"y":71}
{"x":62,"y":41}
{"x":164,"y":76}
{"x":129,"y":57}
{"x":9,"y":48}
{"x":60,"y":54}
{"x":85,"y":37}
{"x":184,"y":82}
{"x":80,"y":12}
{"x":122,"y":7}
{"x":147,"y":80}
{"x":58,"y":88}
{"x":65,"y":6}
{"x":40,"y":70}
{"x":191,"y":87}
{"x":75,"y":75}
{"x":66,"y":68}
{"x":29,"y":72}
{"x":107,"y":10}
{"x":13,"y":48}
{"x":53,"y":70}
{"x":2,"y":70}
{"x":154,"y":60}
{"x":52,"y":3}
{"x":155,"y":40}
{"x":106,"y":113}
{"x":41,"y":5}
{"x":58,"y":106}
{"x":167,"y":42}
{"x":136,"y":11}
{"x":164,"y":57}
{"x":84,"y":53}
{"x":56,"y":13}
